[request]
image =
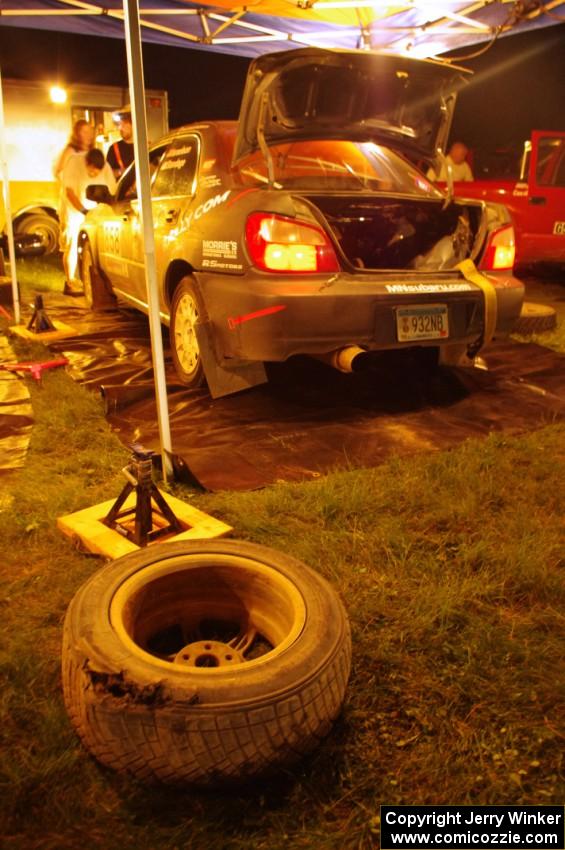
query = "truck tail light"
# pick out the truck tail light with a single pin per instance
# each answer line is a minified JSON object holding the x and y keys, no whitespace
{"x":280,"y":244}
{"x":500,"y":251}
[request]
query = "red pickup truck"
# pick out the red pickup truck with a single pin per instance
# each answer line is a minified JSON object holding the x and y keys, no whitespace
{"x":536,"y":201}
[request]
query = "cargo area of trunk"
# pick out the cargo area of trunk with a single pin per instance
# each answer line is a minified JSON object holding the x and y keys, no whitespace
{"x":399,"y":233}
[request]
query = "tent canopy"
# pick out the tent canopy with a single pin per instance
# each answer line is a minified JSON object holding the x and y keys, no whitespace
{"x":419,"y":28}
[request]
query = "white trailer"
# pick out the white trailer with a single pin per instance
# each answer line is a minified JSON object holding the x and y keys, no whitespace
{"x":36,"y":131}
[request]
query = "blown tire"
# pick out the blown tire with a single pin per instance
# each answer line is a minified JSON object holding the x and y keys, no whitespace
{"x":204,"y":662}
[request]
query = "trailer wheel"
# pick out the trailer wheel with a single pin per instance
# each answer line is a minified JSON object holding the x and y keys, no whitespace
{"x":186,"y":309}
{"x":204,"y":662}
{"x":535,"y":318}
{"x":42,"y":225}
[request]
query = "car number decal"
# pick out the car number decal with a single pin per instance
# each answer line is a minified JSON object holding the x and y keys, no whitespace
{"x":111,"y":240}
{"x":559,"y":228}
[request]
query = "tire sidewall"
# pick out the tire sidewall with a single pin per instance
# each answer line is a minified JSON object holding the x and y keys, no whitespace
{"x":325,"y":631}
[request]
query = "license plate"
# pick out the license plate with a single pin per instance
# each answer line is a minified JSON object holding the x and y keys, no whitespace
{"x":426,"y":321}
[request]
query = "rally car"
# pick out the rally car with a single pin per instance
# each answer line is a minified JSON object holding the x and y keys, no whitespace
{"x":306,"y":228}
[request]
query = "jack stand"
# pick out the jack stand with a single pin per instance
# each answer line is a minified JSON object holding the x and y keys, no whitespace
{"x":149,"y":522}
{"x":40,"y":321}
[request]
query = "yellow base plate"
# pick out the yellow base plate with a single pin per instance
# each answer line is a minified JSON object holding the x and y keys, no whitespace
{"x":87,"y":528}
{"x":61,"y":332}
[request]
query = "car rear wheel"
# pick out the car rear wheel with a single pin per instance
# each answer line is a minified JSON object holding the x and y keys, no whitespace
{"x":42,"y":225}
{"x":203,"y":662}
{"x":186,"y":310}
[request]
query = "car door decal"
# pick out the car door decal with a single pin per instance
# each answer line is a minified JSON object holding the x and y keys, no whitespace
{"x":111,"y":240}
{"x":210,"y":204}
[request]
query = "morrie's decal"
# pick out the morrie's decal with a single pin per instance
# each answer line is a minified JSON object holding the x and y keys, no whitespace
{"x":208,"y":205}
{"x":219,"y":248}
{"x":220,"y":254}
{"x":559,"y":228}
{"x":400,"y":288}
{"x":207,"y":164}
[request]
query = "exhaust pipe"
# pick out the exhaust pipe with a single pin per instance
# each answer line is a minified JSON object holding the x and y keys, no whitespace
{"x":343,"y":359}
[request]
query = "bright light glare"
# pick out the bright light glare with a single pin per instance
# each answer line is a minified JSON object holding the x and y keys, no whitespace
{"x":295,"y":258}
{"x":504,"y":256}
{"x":58,"y":94}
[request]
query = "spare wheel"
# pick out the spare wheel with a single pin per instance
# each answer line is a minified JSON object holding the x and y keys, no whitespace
{"x":204,"y":661}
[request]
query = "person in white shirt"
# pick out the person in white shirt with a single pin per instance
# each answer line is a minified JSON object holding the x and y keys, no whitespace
{"x":460,"y":168}
{"x":81,"y":170}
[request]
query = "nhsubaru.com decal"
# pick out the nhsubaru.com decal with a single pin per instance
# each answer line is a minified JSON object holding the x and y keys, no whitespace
{"x":428,"y":287}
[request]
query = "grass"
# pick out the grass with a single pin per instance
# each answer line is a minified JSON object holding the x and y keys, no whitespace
{"x":451,"y":568}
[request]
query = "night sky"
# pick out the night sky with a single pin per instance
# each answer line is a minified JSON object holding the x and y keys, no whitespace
{"x":519,"y":84}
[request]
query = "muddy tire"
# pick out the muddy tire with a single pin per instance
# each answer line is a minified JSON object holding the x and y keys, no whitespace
{"x":204,"y":662}
{"x":535,"y":318}
{"x":42,"y":225}
{"x":186,"y":309}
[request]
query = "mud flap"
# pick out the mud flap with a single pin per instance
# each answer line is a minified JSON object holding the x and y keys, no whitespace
{"x":225,"y":379}
{"x":456,"y":354}
{"x":102,"y":296}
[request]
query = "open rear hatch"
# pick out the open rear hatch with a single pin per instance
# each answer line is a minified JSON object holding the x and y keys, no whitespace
{"x":313,"y":93}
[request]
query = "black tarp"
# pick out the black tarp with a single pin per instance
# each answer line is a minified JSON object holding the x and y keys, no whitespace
{"x":309,"y":419}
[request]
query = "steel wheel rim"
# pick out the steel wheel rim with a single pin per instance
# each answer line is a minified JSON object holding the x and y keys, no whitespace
{"x":186,"y":344}
{"x":260,"y":603}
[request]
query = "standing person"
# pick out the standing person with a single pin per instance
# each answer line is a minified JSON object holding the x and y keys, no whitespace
{"x":81,"y":170}
{"x":460,"y":168}
{"x":81,"y":140}
{"x":120,"y":154}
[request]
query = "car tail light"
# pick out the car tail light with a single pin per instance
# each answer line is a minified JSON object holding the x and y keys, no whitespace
{"x":501,"y":250}
{"x":280,"y":244}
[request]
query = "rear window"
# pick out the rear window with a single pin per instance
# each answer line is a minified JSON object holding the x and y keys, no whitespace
{"x":339,"y":166}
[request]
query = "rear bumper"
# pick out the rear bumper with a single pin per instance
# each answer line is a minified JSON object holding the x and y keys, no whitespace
{"x":273,"y":318}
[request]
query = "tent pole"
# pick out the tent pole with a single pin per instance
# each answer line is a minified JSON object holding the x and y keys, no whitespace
{"x":8,"y":209}
{"x":139,"y":121}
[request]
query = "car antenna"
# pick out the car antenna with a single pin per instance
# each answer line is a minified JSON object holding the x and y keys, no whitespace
{"x":261,"y":139}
